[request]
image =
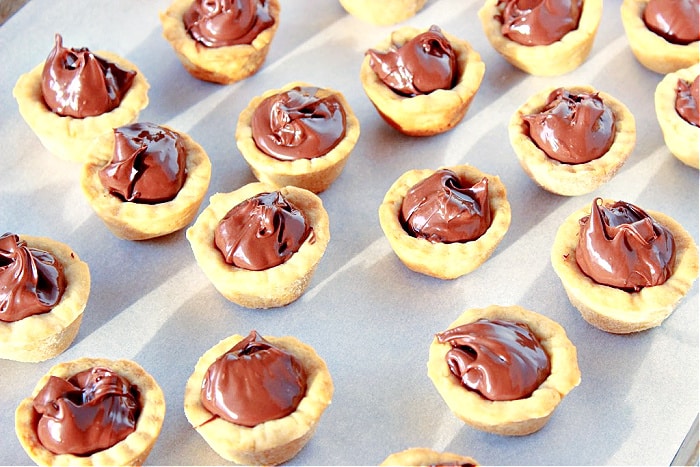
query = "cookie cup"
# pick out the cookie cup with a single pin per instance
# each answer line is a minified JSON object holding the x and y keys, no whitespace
{"x":132,"y":450}
{"x":517,"y":417}
{"x":383,"y":13}
{"x":425,"y":456}
{"x":40,"y":337}
{"x":425,"y":114}
{"x":272,"y":442}
{"x":614,"y":310}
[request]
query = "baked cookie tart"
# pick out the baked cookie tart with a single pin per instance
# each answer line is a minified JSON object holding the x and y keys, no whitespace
{"x":136,"y":398}
{"x":573,"y":178}
{"x":383,"y":13}
{"x":473,"y":339}
{"x":627,"y":306}
{"x":258,"y":438}
{"x":432,"y":112}
{"x":439,"y":254}
{"x":245,"y":277}
{"x":427,"y":457}
{"x":680,"y":135}
{"x":134,"y":160}
{"x":299,"y":135}
{"x":552,"y":59}
{"x":47,"y":324}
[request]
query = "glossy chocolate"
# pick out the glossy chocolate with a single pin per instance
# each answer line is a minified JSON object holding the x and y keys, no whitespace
{"x":219,"y":23}
{"x":77,"y":83}
{"x":298,"y":124}
{"x":90,"y":412}
{"x":621,"y":246}
{"x":677,"y":21}
{"x":420,"y":66}
{"x":573,"y":128}
{"x":253,"y":383}
{"x":501,"y":360}
{"x":538,"y":22}
{"x":31,"y":280}
{"x":688,"y":100}
{"x":148,"y":164}
{"x":444,"y":209}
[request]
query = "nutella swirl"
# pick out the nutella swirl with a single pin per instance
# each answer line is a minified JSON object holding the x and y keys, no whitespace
{"x":677,"y":21}
{"x":90,"y":412}
{"x":688,"y":100}
{"x":219,"y":23}
{"x":441,"y":208}
{"x":298,"y":124}
{"x":538,"y":22}
{"x":32,"y":281}
{"x":572,"y":128}
{"x":420,"y":66}
{"x":77,"y":83}
{"x":501,"y":360}
{"x":621,"y":246}
{"x":261,"y":232}
{"x":253,"y":383}
{"x":148,"y":164}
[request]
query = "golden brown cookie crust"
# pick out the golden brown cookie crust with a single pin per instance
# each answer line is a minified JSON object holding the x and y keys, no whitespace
{"x":41,"y":337}
{"x":383,"y":13}
{"x":614,"y":310}
{"x":554,"y":59}
{"x":444,"y":260}
{"x":315,"y":174}
{"x":272,"y":442}
{"x":426,"y":114}
{"x":425,"y":456}
{"x":141,"y":221}
{"x":572,"y":179}
{"x":518,"y":417}
{"x":133,"y":450}
{"x":273,"y":287}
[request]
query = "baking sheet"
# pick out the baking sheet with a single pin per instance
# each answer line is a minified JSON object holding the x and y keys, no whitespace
{"x":370,"y":317}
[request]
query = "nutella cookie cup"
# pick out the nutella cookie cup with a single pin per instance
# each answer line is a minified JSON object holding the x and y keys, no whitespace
{"x":425,"y":456}
{"x":383,"y":13}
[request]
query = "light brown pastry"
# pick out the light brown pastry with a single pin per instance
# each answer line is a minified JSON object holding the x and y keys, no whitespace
{"x":444,"y":260}
{"x":682,"y":138}
{"x":572,"y":179}
{"x":650,"y":49}
{"x":510,"y":417}
{"x":554,"y":59}
{"x":43,"y":336}
{"x":383,"y":13}
{"x":426,"y":457}
{"x":615,"y":310}
{"x":223,"y":65}
{"x":133,"y":450}
{"x":141,"y":221}
{"x":273,"y":287}
{"x":271,"y":442}
{"x":425,"y":114}
{"x":314,"y":174}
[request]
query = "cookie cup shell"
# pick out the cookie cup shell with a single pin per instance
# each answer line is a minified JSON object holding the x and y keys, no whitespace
{"x":425,"y":114}
{"x":71,"y":138}
{"x":517,"y":417}
{"x":271,"y":442}
{"x":571,"y":179}
{"x":425,"y":456}
{"x":273,"y":287}
{"x":444,"y":260}
{"x":142,"y":221}
{"x":132,"y":450}
{"x":614,"y":310}
{"x":315,"y":174}
{"x":383,"y":13}
{"x":40,"y":337}
{"x":222,"y":65}
{"x":554,"y":59}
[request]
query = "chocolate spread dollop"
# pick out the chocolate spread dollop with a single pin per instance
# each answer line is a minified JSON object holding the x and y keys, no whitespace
{"x":499,"y":359}
{"x":77,"y":83}
{"x":621,"y":246}
{"x":219,"y":23}
{"x":538,"y":22}
{"x":148,"y":164}
{"x":442,"y":208}
{"x":298,"y":124}
{"x":420,"y":66}
{"x":688,"y":100}
{"x":677,"y":21}
{"x":32,"y":281}
{"x":253,"y":383}
{"x":573,"y":128}
{"x":89,"y":412}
